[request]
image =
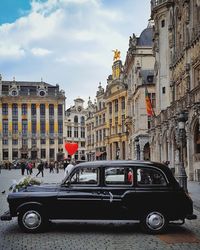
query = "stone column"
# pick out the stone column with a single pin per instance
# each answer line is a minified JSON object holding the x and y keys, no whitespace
{"x":29,"y":129}
{"x":55,"y":130}
{"x":10,"y":132}
{"x":38,"y":129}
{"x":47,"y":130}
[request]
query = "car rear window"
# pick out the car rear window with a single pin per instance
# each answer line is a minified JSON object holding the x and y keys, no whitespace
{"x":118,"y":176}
{"x":150,"y":176}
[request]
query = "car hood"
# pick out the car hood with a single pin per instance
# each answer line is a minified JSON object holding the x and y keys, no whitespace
{"x":42,"y":188}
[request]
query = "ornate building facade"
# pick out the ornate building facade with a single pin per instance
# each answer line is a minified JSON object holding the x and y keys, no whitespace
{"x":75,"y":128}
{"x":139,"y":76}
{"x":115,"y":101}
{"x":175,"y":132}
{"x":31,"y":120}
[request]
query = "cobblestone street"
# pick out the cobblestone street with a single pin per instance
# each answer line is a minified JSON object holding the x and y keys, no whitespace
{"x":85,"y":235}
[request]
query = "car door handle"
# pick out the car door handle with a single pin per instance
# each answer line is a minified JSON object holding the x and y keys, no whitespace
{"x":111,"y":197}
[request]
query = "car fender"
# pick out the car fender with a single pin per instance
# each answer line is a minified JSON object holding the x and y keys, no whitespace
{"x":28,"y":204}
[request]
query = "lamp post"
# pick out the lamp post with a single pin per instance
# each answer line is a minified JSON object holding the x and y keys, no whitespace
{"x":137,"y":148}
{"x":182,"y":177}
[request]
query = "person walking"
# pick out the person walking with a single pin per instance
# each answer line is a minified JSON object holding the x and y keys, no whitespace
{"x":51,"y":166}
{"x":23,"y":167}
{"x":30,"y":167}
{"x":56,"y":167}
{"x":40,"y":169}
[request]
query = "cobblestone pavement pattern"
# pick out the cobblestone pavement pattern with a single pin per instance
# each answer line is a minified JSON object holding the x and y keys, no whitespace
{"x":86,"y":236}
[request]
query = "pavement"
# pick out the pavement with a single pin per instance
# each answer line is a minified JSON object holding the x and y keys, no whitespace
{"x":194,"y":192}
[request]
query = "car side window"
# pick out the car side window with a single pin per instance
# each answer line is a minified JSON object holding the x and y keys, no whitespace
{"x":149,"y":176}
{"x":118,"y":176}
{"x":85,"y":176}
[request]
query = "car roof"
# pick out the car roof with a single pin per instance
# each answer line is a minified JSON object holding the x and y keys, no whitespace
{"x":117,"y":163}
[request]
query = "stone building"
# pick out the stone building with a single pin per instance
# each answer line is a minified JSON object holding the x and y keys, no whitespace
{"x":175,"y":132}
{"x":90,"y":131}
{"x":31,"y":120}
{"x":100,"y":125}
{"x":75,"y":128}
{"x":139,"y":76}
{"x":115,"y":101}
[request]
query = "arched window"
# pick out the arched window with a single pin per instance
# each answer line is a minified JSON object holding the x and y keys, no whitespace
{"x":75,"y":119}
{"x":82,"y":120}
{"x":197,"y":139}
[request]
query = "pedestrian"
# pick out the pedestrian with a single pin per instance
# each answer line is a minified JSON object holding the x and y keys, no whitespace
{"x":22,"y":166}
{"x":40,"y":169}
{"x":65,"y":164}
{"x":30,"y":167}
{"x":69,"y":168}
{"x":27,"y":168}
{"x":51,"y":166}
{"x":56,"y":167}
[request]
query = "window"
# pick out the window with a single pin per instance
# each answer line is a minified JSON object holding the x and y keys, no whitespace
{"x":150,"y":176}
{"x":118,"y":176}
{"x":163,"y":23}
{"x":24,"y":126}
{"x":33,"y":126}
{"x":69,"y":131}
{"x":60,"y":140}
{"x":51,"y":110}
{"x":100,"y":121}
{"x":15,"y":127}
{"x":42,"y":109}
{"x":42,"y":126}
{"x":51,"y":141}
{"x":116,"y":125}
{"x":82,"y":120}
{"x":33,"y":109}
{"x":60,"y":109}
{"x":116,"y":105}
{"x":82,"y":132}
{"x":75,"y":119}
{"x":104,"y":118}
{"x":163,"y":90}
{"x":76,"y":132}
{"x":51,"y":126}
{"x":5,"y":154}
{"x":51,"y":153}
{"x":5,"y":127}
{"x":123,"y":124}
{"x":123,"y":103}
{"x":24,"y":109}
{"x":14,"y":109}
{"x":4,"y":109}
{"x":5,"y":141}
{"x":85,"y":176}
{"x":33,"y":142}
{"x":24,"y":142}
{"x":14,"y":142}
{"x":43,"y":153}
{"x":42,"y":141}
{"x":60,"y":127}
{"x":110,"y":107}
{"x":96,"y":120}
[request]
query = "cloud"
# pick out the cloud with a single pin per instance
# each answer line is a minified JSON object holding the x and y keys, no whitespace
{"x":69,"y":42}
{"x":40,"y":51}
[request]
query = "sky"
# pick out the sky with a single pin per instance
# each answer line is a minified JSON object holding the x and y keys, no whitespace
{"x":67,"y":42}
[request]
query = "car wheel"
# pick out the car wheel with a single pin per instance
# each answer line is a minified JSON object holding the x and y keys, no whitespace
{"x":31,"y":220}
{"x":154,"y":222}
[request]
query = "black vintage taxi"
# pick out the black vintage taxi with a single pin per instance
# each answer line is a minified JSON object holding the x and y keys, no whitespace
{"x":141,"y":191}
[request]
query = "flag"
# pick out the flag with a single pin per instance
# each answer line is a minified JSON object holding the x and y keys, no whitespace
{"x":149,"y":107}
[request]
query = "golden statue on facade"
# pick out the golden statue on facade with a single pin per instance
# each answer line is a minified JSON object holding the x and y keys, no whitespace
{"x":116,"y":55}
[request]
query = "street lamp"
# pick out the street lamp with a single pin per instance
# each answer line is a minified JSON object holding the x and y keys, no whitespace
{"x":182,"y":177}
{"x":137,"y":145}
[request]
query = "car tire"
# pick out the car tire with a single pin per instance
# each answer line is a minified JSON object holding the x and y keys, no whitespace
{"x":32,"y":220}
{"x":154,"y":222}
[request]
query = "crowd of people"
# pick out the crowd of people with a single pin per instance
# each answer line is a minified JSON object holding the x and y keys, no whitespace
{"x":53,"y":166}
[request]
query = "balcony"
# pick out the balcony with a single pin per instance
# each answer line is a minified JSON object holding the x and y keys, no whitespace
{"x":157,"y":3}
